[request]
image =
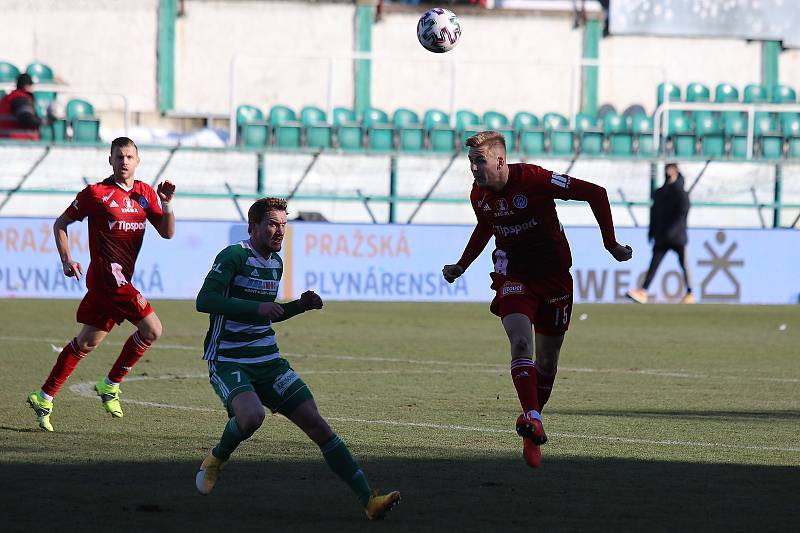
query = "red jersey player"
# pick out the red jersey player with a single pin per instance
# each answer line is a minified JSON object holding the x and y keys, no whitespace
{"x":531,"y":279}
{"x":117,"y":209}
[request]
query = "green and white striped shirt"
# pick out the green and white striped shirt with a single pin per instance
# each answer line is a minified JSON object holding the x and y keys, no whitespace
{"x":237,"y":283}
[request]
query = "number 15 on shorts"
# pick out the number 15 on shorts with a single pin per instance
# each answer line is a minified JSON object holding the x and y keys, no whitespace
{"x":562,"y":315}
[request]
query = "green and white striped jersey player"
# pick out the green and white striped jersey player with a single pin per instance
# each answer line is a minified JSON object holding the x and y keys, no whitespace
{"x":245,"y":366}
{"x":239,"y":334}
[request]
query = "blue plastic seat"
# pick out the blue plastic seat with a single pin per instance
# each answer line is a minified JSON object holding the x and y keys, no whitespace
{"x":8,"y":72}
{"x":560,"y":135}
{"x":409,"y":129}
{"x":349,"y":132}
{"x":380,"y":132}
{"x":253,"y":130}
{"x":286,"y":129}
{"x":318,"y":132}
{"x":619,"y":135}
{"x":589,"y":134}
{"x":709,"y":131}
{"x":641,"y":126}
{"x":530,"y":133}
{"x":494,"y":120}
{"x":441,"y":137}
{"x":85,"y":124}
{"x":680,"y":130}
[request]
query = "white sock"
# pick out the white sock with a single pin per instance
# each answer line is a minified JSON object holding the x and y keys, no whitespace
{"x":46,"y":396}
{"x":109,"y":382}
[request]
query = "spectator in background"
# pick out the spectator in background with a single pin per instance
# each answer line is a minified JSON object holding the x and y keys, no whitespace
{"x":18,"y":119}
{"x":667,"y":231}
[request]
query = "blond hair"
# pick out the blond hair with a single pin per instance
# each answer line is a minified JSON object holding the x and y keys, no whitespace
{"x":488,"y":139}
{"x":258,"y":211}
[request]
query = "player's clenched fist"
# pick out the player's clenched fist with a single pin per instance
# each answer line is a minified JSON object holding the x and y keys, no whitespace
{"x":72,"y":269}
{"x":166,"y":190}
{"x":452,"y":272}
{"x":310,"y":300}
{"x":621,"y":252}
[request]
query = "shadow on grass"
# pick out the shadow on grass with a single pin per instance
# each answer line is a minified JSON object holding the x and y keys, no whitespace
{"x":474,"y":494}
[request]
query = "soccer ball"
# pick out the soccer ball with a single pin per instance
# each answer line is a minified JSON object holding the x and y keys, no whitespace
{"x":439,"y":30}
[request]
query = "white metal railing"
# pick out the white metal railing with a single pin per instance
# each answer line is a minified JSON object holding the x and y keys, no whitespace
{"x":660,"y":125}
{"x":64,"y":89}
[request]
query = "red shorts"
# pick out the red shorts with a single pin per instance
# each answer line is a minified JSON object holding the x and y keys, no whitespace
{"x":547,"y":302}
{"x":105,"y":308}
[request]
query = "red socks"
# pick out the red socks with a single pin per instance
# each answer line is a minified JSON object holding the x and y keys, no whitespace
{"x":67,"y":360}
{"x":523,"y":374}
{"x":132,"y":351}
{"x":544,"y":385}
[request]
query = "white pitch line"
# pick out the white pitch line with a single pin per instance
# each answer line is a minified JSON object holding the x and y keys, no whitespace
{"x":86,"y":389}
{"x":494,"y":367}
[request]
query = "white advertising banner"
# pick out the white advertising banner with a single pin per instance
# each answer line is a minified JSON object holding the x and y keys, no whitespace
{"x":174,"y":268}
{"x":394,"y":263}
{"x":404,"y":263}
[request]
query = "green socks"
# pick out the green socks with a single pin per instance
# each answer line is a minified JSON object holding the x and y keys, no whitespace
{"x":343,"y":465}
{"x":231,"y":438}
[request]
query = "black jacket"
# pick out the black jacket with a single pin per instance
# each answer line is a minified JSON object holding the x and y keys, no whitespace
{"x":668,"y":214}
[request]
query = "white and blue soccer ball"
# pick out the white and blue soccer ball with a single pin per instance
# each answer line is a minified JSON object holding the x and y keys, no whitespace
{"x":439,"y":30}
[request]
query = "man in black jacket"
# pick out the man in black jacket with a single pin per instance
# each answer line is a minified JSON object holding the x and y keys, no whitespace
{"x":667,"y":231}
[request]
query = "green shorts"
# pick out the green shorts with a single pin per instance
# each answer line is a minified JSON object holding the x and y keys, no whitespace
{"x":278,"y":386}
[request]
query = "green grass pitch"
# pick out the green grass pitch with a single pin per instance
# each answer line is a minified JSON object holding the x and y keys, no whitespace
{"x":668,"y":418}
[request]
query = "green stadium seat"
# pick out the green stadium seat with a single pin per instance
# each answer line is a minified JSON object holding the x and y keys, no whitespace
{"x":709,"y":131}
{"x":380,"y":132}
{"x":589,"y":134}
{"x":3,"y":93}
{"x":680,"y":132}
{"x":494,"y":120}
{"x":318,"y":132}
{"x":410,"y":131}
{"x":55,"y":132}
{"x":642,"y":128}
{"x":85,"y":124}
{"x":668,"y":91}
{"x":735,"y":131}
{"x":697,"y":92}
{"x":768,"y":136}
{"x":755,"y":93}
{"x":618,"y":133}
{"x":253,"y":130}
{"x":726,"y":93}
{"x":783,"y":94}
{"x":349,"y":133}
{"x":441,"y":137}
{"x":8,"y":72}
{"x":529,"y":132}
{"x":40,"y":73}
{"x":42,"y":101}
{"x":790,"y":126}
{"x":468,"y":124}
{"x":560,"y":135}
{"x":287,"y":131}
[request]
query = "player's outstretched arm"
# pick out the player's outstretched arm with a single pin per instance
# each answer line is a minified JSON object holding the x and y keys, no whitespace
{"x":308,"y":300}
{"x":72,"y":269}
{"x":477,"y":242}
{"x":166,"y":226}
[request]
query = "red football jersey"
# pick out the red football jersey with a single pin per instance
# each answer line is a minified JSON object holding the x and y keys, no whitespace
{"x":529,"y":238}
{"x":116,"y":228}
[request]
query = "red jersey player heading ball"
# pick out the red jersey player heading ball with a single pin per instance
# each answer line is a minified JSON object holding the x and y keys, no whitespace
{"x":531,"y":279}
{"x":117,"y":209}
